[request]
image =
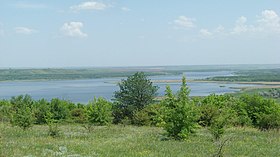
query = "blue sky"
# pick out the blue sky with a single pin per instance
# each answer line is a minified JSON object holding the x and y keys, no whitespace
{"x":75,"y":33}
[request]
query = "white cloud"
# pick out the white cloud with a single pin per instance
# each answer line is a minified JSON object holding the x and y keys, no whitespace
{"x":184,"y":22}
{"x":240,"y":26}
{"x":205,"y":32}
{"x":73,"y":29}
{"x":220,"y":30}
{"x":90,"y":5}
{"x":125,"y":9}
{"x":269,"y":21}
{"x":24,"y":30}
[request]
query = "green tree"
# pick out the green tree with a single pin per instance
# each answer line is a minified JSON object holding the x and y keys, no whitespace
{"x":60,"y":109}
{"x":135,"y":93}
{"x":42,"y":107}
{"x":181,"y":114}
{"x":22,"y":114}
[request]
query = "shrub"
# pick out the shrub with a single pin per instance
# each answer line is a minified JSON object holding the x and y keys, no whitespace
{"x":78,"y":115}
{"x":264,"y":113}
{"x":99,"y":112}
{"x":5,"y":108}
{"x":60,"y":109}
{"x":151,"y":115}
{"x":53,"y":125}
{"x":214,"y":106}
{"x":181,"y":114}
{"x":40,"y":111}
{"x":22,"y":114}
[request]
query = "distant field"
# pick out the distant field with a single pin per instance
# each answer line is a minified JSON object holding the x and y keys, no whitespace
{"x":90,"y":73}
{"x":133,"y":141}
{"x":264,"y":75}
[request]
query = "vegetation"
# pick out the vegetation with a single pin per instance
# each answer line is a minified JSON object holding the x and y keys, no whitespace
{"x":265,"y":75}
{"x":99,"y":113}
{"x":117,"y":140}
{"x":135,"y":93}
{"x":90,"y":73}
{"x":205,"y":123}
{"x":181,"y":115}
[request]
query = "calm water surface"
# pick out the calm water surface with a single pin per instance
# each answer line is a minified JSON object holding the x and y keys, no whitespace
{"x":85,"y":90}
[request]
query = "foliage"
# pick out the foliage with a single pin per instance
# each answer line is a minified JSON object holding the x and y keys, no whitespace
{"x":78,"y":115}
{"x":151,"y":115}
{"x":99,"y":112}
{"x":264,"y":113}
{"x":135,"y":93}
{"x":181,"y":113}
{"x":5,"y":108}
{"x":53,"y":125}
{"x":22,"y":114}
{"x":60,"y":109}
{"x":42,"y":107}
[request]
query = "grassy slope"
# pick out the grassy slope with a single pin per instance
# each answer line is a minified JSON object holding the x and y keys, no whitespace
{"x":131,"y":141}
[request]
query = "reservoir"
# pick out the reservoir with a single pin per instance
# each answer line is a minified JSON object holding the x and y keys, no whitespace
{"x":84,"y":90}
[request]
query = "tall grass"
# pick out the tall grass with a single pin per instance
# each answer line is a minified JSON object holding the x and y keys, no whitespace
{"x":131,"y":141}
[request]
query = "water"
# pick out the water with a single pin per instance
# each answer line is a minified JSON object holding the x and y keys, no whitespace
{"x":85,"y":90}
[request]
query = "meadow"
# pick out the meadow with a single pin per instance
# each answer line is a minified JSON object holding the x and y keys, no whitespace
{"x":120,"y":140}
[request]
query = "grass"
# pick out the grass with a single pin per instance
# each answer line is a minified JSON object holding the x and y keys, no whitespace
{"x":118,"y":140}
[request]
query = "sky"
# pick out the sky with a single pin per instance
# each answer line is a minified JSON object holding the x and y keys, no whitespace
{"x":81,"y":33}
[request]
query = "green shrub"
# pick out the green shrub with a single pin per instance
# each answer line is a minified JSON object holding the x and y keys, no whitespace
{"x":214,"y":106}
{"x":264,"y":113}
{"x":5,"y":108}
{"x":53,"y":125}
{"x":208,"y":114}
{"x":60,"y":109}
{"x":151,"y":115}
{"x":99,"y":112}
{"x":181,"y":114}
{"x":78,"y":115}
{"x":21,"y":114}
{"x":40,"y":111}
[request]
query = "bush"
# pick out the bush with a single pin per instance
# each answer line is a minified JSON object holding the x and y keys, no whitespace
{"x":214,"y":106}
{"x":269,"y":121}
{"x":181,"y":114}
{"x":5,"y":108}
{"x":42,"y":107}
{"x":22,"y":114}
{"x":78,"y":115}
{"x":53,"y":125}
{"x":60,"y":109}
{"x":151,"y":115}
{"x":99,"y":112}
{"x":264,"y":113}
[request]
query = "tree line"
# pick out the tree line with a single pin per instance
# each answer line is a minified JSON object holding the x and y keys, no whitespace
{"x":134,"y":104}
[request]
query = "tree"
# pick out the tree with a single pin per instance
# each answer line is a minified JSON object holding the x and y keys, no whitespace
{"x":22,"y":114}
{"x":181,"y":113}
{"x":135,"y":93}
